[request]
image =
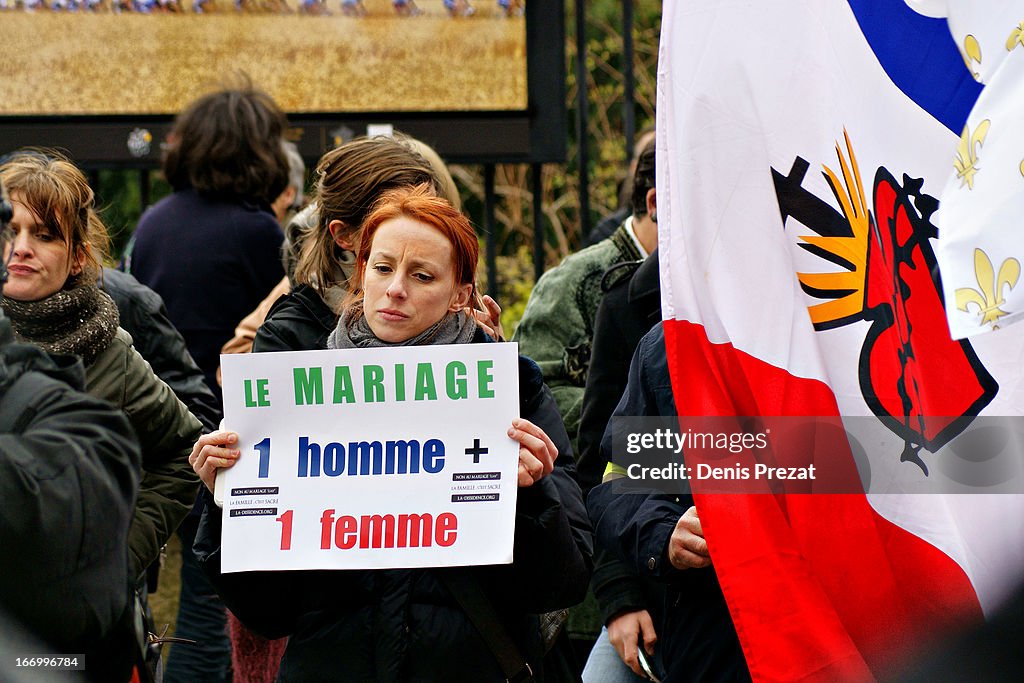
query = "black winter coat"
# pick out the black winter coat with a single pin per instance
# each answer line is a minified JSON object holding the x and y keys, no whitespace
{"x":69,"y":470}
{"x":155,"y":337}
{"x":403,"y":624}
{"x":187,"y":241}
{"x":630,"y":307}
{"x":696,"y":636}
{"x":298,"y":321}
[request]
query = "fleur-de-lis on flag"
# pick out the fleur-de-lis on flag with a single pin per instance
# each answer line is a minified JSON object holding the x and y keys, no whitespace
{"x":967,"y":153}
{"x":1016,"y":37}
{"x":972,"y":53}
{"x":990,"y":297}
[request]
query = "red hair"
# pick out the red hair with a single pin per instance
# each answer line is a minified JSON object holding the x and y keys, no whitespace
{"x":419,"y":203}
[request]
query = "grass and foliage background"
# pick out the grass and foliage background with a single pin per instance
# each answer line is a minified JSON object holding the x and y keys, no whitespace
{"x":155,"y":62}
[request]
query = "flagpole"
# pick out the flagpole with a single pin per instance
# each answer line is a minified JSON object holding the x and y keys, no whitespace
{"x":581,"y":118}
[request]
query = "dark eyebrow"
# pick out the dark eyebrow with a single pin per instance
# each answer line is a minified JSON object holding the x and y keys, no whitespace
{"x":425,"y":264}
{"x":415,"y":263}
{"x":36,"y":223}
{"x":381,"y":254}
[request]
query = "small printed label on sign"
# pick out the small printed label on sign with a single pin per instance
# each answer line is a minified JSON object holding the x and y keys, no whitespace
{"x":474,"y":497}
{"x":475,"y":476}
{"x":256,"y":491}
{"x":253,"y":512}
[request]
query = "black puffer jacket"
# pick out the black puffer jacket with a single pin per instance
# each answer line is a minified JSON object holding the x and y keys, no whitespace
{"x":69,"y":470}
{"x":298,"y":321}
{"x":404,"y":625}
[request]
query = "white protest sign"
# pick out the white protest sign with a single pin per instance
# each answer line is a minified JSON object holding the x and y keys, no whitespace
{"x":370,"y":458}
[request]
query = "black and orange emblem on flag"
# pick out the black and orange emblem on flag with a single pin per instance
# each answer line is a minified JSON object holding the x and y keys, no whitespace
{"x":921,"y":384}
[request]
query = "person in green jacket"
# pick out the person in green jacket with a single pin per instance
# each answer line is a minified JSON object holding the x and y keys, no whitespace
{"x":557,"y":327}
{"x":53,"y":301}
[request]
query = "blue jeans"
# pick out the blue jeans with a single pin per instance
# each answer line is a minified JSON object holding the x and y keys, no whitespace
{"x":605,"y":666}
{"x":201,"y":617}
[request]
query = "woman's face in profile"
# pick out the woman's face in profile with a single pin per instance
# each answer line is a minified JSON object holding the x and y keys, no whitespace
{"x":409,"y":282}
{"x":39,"y":259}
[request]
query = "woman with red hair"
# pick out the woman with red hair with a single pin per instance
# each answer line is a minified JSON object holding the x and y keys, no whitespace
{"x":414,"y":278}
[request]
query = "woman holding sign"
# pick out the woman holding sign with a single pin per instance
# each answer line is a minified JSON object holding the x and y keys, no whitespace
{"x":414,"y":276}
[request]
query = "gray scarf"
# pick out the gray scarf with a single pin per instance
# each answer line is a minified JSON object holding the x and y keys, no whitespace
{"x":82,"y":321}
{"x":353,"y":332}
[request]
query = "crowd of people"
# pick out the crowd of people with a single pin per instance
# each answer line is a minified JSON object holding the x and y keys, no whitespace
{"x":112,"y":430}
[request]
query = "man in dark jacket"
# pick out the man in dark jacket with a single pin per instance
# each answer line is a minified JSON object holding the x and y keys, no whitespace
{"x":630,"y":305}
{"x":69,"y":470}
{"x":658,"y":535}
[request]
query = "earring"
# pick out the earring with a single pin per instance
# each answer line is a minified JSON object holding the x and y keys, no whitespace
{"x":654,"y":216}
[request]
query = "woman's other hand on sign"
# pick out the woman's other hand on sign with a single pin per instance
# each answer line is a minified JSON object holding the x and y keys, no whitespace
{"x":214,"y":451}
{"x":536,"y":451}
{"x":488,"y":316}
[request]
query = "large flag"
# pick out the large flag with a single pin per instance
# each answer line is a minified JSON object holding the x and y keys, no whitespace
{"x":802,"y":147}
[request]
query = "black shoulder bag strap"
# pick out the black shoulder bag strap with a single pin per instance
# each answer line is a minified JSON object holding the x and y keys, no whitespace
{"x":470,"y":595}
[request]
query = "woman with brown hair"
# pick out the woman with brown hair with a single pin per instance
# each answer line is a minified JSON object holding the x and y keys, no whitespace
{"x":53,"y":301}
{"x":211,"y":249}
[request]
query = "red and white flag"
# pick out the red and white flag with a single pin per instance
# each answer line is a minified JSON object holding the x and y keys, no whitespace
{"x":801,"y":150}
